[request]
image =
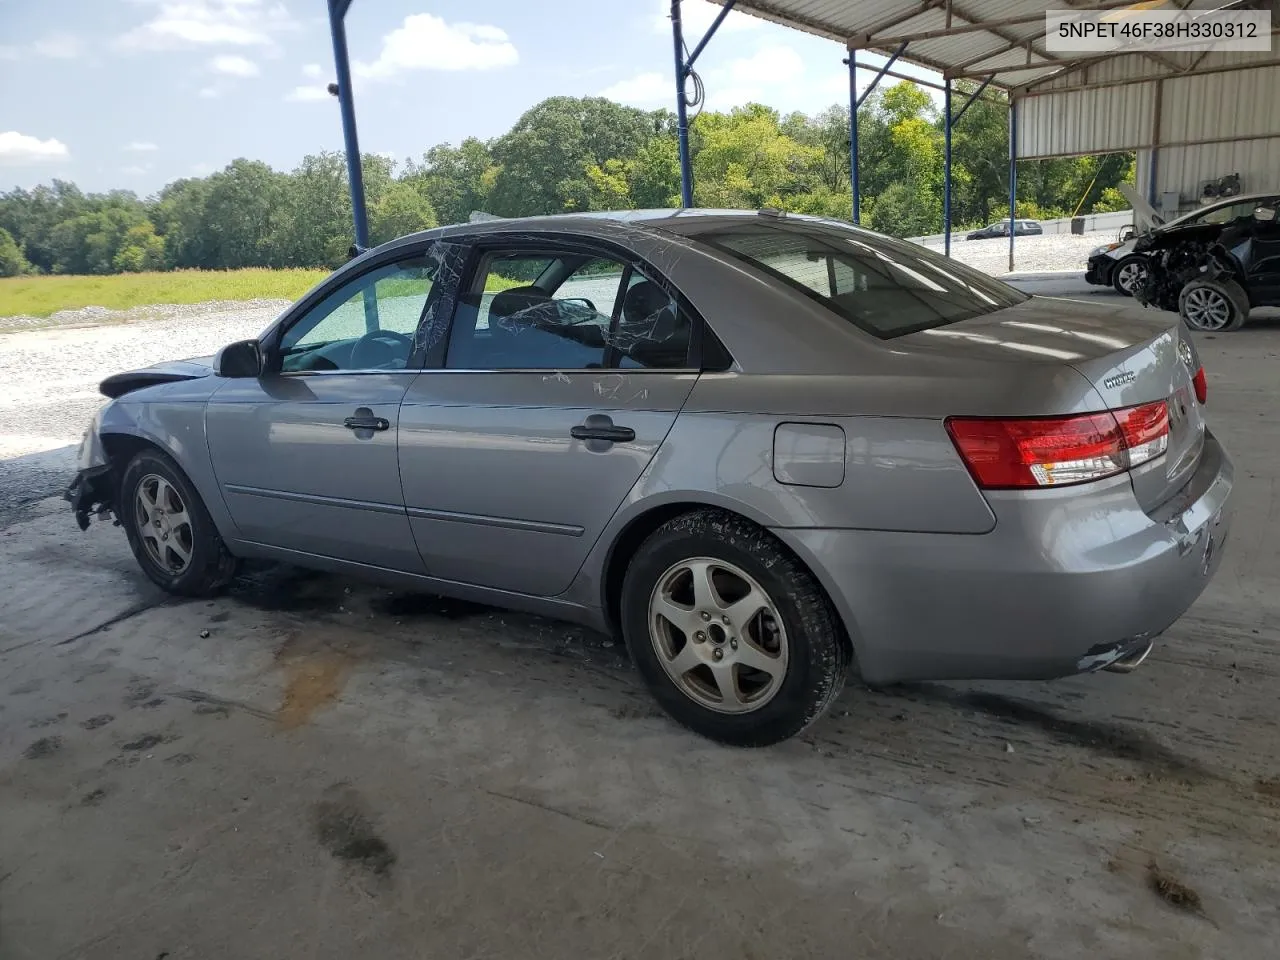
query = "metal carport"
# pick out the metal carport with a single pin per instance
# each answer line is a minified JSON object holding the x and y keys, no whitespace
{"x":1183,"y":112}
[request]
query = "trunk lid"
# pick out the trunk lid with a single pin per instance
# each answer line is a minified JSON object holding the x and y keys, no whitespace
{"x":1130,"y":360}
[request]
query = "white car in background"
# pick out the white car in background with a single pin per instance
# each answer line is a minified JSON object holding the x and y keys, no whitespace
{"x":1118,"y":265}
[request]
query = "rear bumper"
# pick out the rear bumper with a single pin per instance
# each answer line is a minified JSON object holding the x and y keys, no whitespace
{"x":1069,"y":581}
{"x":1098,"y":270}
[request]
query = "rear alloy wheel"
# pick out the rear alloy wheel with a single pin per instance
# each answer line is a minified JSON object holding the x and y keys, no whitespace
{"x":1214,"y":306}
{"x":170,"y":531}
{"x":1129,"y":275}
{"x":733,"y":636}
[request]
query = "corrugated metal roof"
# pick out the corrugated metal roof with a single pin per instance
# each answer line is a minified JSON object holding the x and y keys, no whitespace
{"x":1016,"y":53}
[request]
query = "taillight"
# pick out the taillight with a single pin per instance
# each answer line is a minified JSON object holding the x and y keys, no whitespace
{"x":1056,"y":451}
{"x":1201,"y":385}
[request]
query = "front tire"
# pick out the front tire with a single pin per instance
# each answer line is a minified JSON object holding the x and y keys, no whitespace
{"x":733,"y":636}
{"x":1128,"y":275}
{"x":170,"y":532}
{"x":1214,"y":306}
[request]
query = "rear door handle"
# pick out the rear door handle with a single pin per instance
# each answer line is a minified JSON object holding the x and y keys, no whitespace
{"x":608,"y":433}
{"x":367,"y":423}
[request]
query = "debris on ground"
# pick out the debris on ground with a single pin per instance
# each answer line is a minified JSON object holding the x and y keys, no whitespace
{"x":1173,"y":891}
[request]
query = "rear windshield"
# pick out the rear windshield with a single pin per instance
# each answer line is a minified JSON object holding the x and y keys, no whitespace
{"x":886,"y":287}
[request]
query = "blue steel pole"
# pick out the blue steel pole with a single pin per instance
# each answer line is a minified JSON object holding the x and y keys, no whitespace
{"x":946,"y":169}
{"x":682,"y":108}
{"x":1013,"y":174}
{"x":853,"y":133}
{"x":341,"y":63}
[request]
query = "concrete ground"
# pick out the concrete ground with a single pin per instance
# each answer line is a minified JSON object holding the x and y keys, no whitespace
{"x":312,"y":768}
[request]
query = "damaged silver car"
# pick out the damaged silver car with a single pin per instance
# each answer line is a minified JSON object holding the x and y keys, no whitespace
{"x":766,"y":449}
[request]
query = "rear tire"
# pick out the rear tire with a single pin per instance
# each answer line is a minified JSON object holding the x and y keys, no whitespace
{"x":733,"y":636}
{"x":1128,"y":275}
{"x":170,"y":531}
{"x":1214,"y":306}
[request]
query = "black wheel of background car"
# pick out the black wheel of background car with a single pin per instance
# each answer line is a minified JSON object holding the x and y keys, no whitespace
{"x":169,"y":530}
{"x":1128,"y":275}
{"x":733,"y":636}
{"x":1214,"y":306}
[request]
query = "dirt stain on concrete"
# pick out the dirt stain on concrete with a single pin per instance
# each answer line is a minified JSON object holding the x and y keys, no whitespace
{"x":313,"y":680}
{"x":93,"y":797}
{"x":93,"y":723}
{"x":344,"y":827}
{"x":42,"y":748}
{"x":144,"y":742}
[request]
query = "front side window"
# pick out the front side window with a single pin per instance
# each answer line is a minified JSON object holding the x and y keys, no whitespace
{"x":1232,"y":211}
{"x":566,"y":312}
{"x":885,"y":287}
{"x":366,"y":324}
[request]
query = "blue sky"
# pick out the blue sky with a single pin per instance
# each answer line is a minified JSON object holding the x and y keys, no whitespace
{"x":135,"y":93}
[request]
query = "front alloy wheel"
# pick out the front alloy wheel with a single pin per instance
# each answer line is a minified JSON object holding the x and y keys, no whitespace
{"x":163,"y":524}
{"x":1130,"y":275}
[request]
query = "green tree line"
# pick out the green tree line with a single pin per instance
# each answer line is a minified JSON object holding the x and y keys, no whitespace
{"x":565,"y":154}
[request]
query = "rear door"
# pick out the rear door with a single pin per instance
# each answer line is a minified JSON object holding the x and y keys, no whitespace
{"x":565,"y":368}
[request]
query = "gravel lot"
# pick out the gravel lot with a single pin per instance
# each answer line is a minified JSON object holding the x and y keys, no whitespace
{"x":49,"y":378}
{"x":1051,"y":252}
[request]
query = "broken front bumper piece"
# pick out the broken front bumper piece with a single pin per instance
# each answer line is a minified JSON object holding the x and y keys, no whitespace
{"x":90,"y":491}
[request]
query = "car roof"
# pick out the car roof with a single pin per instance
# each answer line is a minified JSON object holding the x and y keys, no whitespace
{"x":1224,"y":202}
{"x":606,"y":223}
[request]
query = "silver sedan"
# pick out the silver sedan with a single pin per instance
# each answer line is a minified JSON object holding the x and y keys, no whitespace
{"x":766,"y":449}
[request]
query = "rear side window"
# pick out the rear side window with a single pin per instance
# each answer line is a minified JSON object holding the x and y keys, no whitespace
{"x":885,"y":287}
{"x":567,"y":312}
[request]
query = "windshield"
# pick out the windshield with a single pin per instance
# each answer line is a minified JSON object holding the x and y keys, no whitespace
{"x":888,"y":288}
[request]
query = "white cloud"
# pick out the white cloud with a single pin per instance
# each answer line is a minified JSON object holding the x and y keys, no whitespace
{"x":193,"y":23}
{"x":426,"y":42}
{"x":18,"y":149}
{"x":696,"y":17}
{"x":307,"y":94}
{"x":135,"y":170}
{"x":140,"y":146}
{"x":313,"y":71}
{"x":643,"y":90}
{"x":59,"y":46}
{"x":209,"y":93}
{"x":9,"y":53}
{"x":776,"y":75}
{"x":233,"y":66}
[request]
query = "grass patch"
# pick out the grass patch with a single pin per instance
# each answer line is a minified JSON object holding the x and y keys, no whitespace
{"x":44,"y":295}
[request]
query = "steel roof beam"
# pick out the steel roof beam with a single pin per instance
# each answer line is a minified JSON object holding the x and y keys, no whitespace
{"x":864,"y":40}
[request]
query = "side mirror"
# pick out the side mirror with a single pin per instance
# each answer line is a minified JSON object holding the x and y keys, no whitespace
{"x":240,"y":360}
{"x":1264,"y":214}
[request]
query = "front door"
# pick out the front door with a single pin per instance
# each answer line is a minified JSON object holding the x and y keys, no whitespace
{"x":306,"y":455}
{"x":565,"y":370}
{"x":1263,"y":277}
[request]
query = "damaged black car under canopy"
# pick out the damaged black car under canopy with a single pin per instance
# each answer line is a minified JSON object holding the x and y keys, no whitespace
{"x":1214,"y":274}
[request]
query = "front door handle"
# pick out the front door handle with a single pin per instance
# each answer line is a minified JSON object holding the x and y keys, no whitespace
{"x":599,"y":427}
{"x":367,"y":423}
{"x":611,"y":434}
